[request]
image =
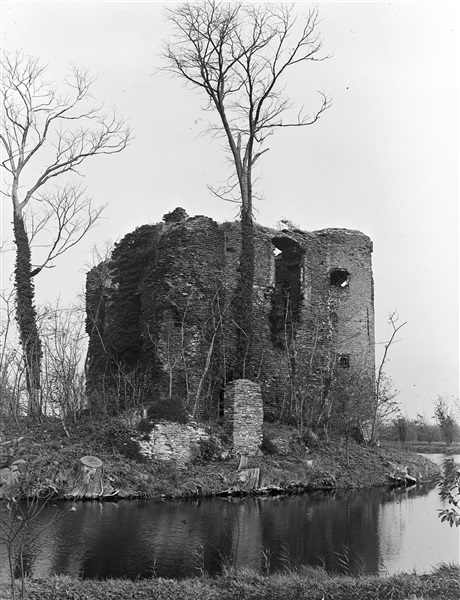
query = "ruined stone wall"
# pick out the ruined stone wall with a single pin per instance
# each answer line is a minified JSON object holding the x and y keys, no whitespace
{"x":97,"y":289}
{"x":351,"y":304}
{"x":244,"y":415}
{"x":313,"y":313}
{"x":181,"y":303}
{"x":173,"y":442}
{"x":113,"y":301}
{"x":337,"y":316}
{"x":268,"y":364}
{"x":129,"y":263}
{"x":323,"y":316}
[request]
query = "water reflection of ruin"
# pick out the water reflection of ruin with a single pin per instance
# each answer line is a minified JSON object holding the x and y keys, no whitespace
{"x":355,"y":530}
{"x":319,"y":530}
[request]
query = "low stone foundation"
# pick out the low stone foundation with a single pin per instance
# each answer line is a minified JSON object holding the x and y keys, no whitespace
{"x":173,"y":442}
{"x":243,"y":411}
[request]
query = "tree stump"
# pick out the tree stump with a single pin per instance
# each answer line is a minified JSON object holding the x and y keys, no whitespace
{"x":88,"y":479}
{"x":250,"y":478}
{"x":243,"y":462}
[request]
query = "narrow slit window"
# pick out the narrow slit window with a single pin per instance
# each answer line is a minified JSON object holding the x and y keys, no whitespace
{"x":340,"y":278}
{"x":344,"y":361}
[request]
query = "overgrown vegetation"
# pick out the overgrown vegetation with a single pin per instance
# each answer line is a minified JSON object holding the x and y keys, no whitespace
{"x":172,"y":409}
{"x":18,"y":537}
{"x":449,"y":485}
{"x":235,"y":584}
{"x":50,"y":456}
{"x":129,"y":260}
{"x":65,"y":131}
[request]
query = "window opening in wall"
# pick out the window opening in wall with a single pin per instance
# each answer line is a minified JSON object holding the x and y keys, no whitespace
{"x":340,"y":278}
{"x":221,"y":406}
{"x":287,"y":297}
{"x":344,"y":361}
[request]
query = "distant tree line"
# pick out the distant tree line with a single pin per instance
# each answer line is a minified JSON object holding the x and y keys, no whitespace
{"x":442,"y":426}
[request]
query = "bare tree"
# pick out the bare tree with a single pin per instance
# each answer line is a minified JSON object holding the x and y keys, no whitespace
{"x":238,"y":55}
{"x":11,"y":365}
{"x":65,"y":211}
{"x":385,"y":404}
{"x":62,"y":334}
{"x":44,"y":135}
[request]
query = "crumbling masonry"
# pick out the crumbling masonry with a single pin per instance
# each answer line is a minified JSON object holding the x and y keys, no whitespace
{"x":160,"y":313}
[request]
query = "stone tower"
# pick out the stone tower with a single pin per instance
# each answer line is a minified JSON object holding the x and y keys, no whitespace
{"x":313,"y":315}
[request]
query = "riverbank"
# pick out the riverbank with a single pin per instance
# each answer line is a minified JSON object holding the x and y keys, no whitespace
{"x":305,"y":584}
{"x":46,"y":459}
{"x":425,"y":447}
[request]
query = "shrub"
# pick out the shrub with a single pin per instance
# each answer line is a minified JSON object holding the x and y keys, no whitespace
{"x":310,"y":438}
{"x":208,"y":449}
{"x":145,"y":426}
{"x":168,"y":410}
{"x":267,"y":446}
{"x":117,"y":435}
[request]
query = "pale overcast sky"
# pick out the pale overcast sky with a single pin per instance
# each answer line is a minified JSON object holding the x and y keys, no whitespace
{"x":384,"y":159}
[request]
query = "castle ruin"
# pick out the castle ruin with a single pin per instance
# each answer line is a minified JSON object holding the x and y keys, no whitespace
{"x":161,"y":312}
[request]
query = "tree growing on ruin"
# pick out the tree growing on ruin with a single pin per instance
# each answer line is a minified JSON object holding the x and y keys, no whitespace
{"x":45,"y":136}
{"x":238,"y":56}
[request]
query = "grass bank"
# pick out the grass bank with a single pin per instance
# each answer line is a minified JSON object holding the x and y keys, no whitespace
{"x":425,"y":447}
{"x":48,"y":457}
{"x":443,"y":583}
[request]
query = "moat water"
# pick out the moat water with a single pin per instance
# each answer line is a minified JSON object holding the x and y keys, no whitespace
{"x":357,"y":531}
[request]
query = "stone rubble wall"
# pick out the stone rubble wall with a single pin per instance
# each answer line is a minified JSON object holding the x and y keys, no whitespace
{"x":181,"y":298}
{"x":244,"y":415}
{"x":173,"y":442}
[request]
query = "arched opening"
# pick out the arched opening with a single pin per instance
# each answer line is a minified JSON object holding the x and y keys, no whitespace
{"x":288,"y":286}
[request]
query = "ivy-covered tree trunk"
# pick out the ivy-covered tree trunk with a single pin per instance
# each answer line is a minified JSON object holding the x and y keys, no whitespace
{"x":26,"y":315}
{"x":244,"y":298}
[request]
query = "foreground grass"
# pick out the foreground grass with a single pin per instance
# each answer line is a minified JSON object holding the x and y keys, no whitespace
{"x":442,"y":583}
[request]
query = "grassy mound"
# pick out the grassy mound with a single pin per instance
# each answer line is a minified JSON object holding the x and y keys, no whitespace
{"x":49,"y":457}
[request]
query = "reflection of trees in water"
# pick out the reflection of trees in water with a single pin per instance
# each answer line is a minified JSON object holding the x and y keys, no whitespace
{"x":185,"y":537}
{"x":181,"y":538}
{"x":64,"y":549}
{"x":162,"y":539}
{"x":339,"y":530}
{"x":319,"y":530}
{"x":396,"y":508}
{"x":392,"y":519}
{"x":29,"y":526}
{"x":61,"y":547}
{"x":392,"y":494}
{"x":108,"y":550}
{"x":245,"y":533}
